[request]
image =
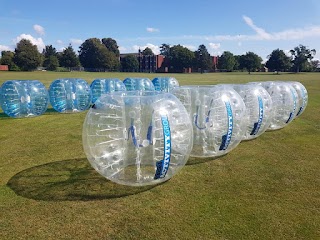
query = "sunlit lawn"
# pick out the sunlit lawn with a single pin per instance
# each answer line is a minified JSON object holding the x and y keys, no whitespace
{"x":268,"y":188}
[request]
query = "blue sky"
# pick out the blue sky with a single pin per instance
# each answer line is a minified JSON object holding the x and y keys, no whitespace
{"x":236,"y":26}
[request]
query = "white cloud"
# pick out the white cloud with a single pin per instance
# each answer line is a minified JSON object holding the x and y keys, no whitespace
{"x":39,"y":29}
{"x":59,"y":41}
{"x":260,"y":32}
{"x":137,"y":48}
{"x":122,"y":49}
{"x":75,"y":41}
{"x":5,"y":48}
{"x":36,"y":41}
{"x":190,"y":47}
{"x":155,"y":49}
{"x":300,"y":33}
{"x":152,"y":30}
{"x":288,"y":34}
{"x":287,"y":52}
{"x":214,"y":46}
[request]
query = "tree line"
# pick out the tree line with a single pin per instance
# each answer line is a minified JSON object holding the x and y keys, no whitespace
{"x":103,"y":55}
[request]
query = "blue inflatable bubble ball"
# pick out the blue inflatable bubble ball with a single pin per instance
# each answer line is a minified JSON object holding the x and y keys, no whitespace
{"x":217,"y":113}
{"x":70,"y":95}
{"x":142,"y":84}
{"x":137,"y":138}
{"x":23,"y":98}
{"x":284,"y":101}
{"x":259,"y":109}
{"x":165,"y":84}
{"x":302,"y":96}
{"x":105,"y":85}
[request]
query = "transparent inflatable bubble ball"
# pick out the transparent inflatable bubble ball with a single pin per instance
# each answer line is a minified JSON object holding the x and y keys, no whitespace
{"x":217,"y":114}
{"x":137,"y":138}
{"x":23,"y":98}
{"x":101,"y":86}
{"x":70,"y":95}
{"x":302,"y":96}
{"x":258,"y":109}
{"x":285,"y":103}
{"x":142,"y":84}
{"x":165,"y":84}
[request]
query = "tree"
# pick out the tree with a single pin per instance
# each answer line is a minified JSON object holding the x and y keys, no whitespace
{"x":27,"y":56}
{"x":147,"y":51}
{"x":278,"y":61}
{"x":180,"y":58}
{"x":237,"y":62}
{"x":69,"y":58}
{"x":94,"y":54}
{"x":202,"y":58}
{"x":130,"y":64}
{"x":111,"y":45}
{"x":250,"y":61}
{"x":227,"y":61}
{"x":301,"y":57}
{"x":7,"y":59}
{"x":50,"y":54}
{"x":165,"y":50}
{"x":49,"y":51}
{"x":52,"y":63}
{"x":315,"y":65}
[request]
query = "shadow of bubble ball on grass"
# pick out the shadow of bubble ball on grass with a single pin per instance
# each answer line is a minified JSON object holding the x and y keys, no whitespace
{"x":197,"y":160}
{"x":68,"y":180}
{"x":193,"y":160}
{"x":3,"y":116}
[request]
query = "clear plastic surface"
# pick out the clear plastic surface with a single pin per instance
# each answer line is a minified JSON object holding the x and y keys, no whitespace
{"x":105,"y":85}
{"x":142,"y":84}
{"x":165,"y":84}
{"x":302,"y":96}
{"x":137,"y":138}
{"x":284,"y":100}
{"x":70,"y":95}
{"x":23,"y":98}
{"x":217,"y":114}
{"x":258,"y":109}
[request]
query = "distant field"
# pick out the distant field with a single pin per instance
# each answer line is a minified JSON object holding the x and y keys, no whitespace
{"x":184,"y":79}
{"x":268,"y":188}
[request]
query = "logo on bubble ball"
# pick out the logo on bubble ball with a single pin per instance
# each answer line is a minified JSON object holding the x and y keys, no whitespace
{"x":163,"y":165}
{"x":227,"y":137}
{"x":257,"y":125}
{"x":294,"y":107}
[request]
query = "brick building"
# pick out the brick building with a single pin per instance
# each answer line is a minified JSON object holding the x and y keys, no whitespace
{"x":153,"y":63}
{"x":214,"y":63}
{"x":147,"y":63}
{"x":4,"y":68}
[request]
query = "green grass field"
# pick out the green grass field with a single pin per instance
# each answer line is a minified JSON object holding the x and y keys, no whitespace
{"x":267,"y":188}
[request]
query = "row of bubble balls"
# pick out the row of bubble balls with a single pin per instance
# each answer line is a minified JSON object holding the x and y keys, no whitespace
{"x":144,"y":137}
{"x":30,"y":98}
